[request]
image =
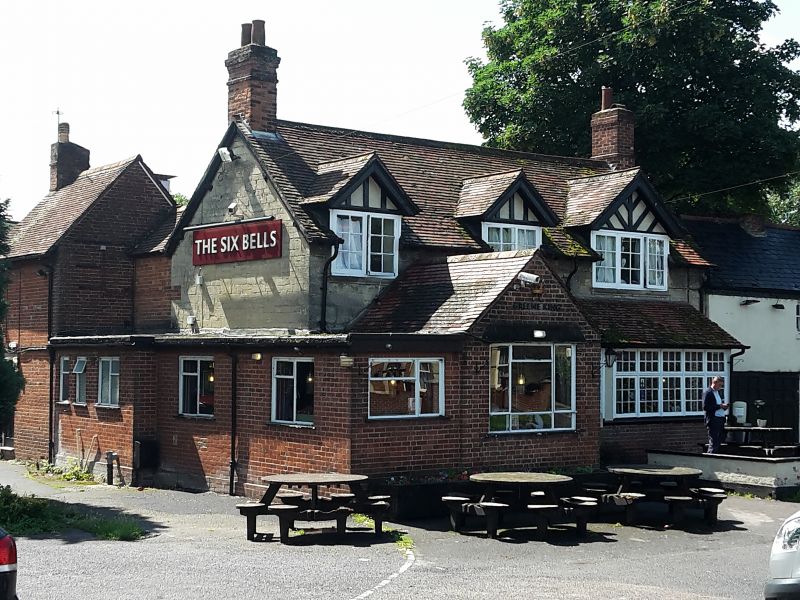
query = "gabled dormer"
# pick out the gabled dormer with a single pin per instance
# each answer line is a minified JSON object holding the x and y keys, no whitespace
{"x":366,"y":206}
{"x":630,"y":229}
{"x":505,"y":211}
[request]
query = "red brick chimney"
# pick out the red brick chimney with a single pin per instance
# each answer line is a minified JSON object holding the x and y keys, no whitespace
{"x":612,"y":133}
{"x":252,"y":80}
{"x":67,"y":160}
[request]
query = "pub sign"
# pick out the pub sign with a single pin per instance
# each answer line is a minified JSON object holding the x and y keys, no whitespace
{"x":239,"y":242}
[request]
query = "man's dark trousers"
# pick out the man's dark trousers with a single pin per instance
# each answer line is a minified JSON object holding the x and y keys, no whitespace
{"x":716,"y":433}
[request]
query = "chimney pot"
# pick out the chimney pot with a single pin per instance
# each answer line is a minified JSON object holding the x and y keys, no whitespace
{"x":63,"y":132}
{"x":607,"y":98}
{"x":247,"y":30}
{"x":259,"y":37}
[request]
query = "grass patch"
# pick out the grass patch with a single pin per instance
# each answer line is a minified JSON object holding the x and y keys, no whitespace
{"x":27,"y":515}
{"x":402,"y":541}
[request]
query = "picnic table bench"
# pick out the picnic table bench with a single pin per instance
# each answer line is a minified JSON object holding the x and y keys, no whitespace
{"x":290,"y":506}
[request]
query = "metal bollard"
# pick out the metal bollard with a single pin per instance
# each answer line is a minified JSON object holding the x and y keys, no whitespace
{"x":110,"y":458}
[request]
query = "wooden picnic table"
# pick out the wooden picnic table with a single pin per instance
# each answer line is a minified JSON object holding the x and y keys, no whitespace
{"x":767,"y":433}
{"x":545,"y":482}
{"x":649,"y":474}
{"x":315,"y":508}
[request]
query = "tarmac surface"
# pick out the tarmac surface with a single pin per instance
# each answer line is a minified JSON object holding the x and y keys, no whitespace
{"x":196,"y":546}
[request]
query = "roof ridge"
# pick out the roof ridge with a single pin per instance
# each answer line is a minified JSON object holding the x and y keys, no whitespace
{"x":491,"y":176}
{"x":445,"y":145}
{"x":346,"y":160}
{"x":108,"y":167}
{"x":604,"y":176}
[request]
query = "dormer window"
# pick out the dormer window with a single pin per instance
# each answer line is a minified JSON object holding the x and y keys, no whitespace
{"x":371,"y":236}
{"x":630,"y":260}
{"x":522,"y":233}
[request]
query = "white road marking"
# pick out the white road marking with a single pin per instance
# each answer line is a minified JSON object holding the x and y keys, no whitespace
{"x":409,"y":561}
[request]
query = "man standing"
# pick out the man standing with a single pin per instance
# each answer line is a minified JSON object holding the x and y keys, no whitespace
{"x":714,"y":409}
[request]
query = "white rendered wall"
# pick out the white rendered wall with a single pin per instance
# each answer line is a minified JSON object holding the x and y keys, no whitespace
{"x":771,"y":333}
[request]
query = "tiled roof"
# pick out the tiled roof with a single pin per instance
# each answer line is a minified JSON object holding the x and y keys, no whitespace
{"x":589,"y":196}
{"x":688,"y":253}
{"x":746,"y":263}
{"x":43,"y":227}
{"x":478,"y":194}
{"x":333,"y":176}
{"x":431,"y":174}
{"x":655,"y":324}
{"x":446,"y":296}
{"x":156,"y":240}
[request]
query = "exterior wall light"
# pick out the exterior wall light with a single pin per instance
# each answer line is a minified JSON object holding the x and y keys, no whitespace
{"x":778,"y":306}
{"x":539,"y":334}
{"x":256,"y":356}
{"x":611,"y":357}
{"x":749,"y":301}
{"x":346,"y":361}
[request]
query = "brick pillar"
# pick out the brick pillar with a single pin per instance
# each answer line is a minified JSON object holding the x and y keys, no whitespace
{"x":612,"y":134}
{"x":252,"y":80}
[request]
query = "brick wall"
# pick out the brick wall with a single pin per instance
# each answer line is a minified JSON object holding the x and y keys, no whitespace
{"x":94,"y":276}
{"x":32,"y":412}
{"x":154,"y":293}
{"x":26,"y":320}
{"x":628,"y":442}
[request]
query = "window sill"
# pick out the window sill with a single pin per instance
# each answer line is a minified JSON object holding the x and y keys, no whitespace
{"x":196,"y":417}
{"x":79,"y":404}
{"x":290,"y":425}
{"x":495,"y":434}
{"x":654,"y":419}
{"x":107,"y":406}
{"x":407,"y":418}
{"x":63,"y":403}
{"x":356,"y":277}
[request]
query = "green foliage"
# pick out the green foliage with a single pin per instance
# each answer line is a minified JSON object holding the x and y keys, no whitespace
{"x":27,"y":515}
{"x":73,"y":471}
{"x":713,"y":106}
{"x":11,"y":380}
{"x":180,"y":199}
{"x":785,"y":206}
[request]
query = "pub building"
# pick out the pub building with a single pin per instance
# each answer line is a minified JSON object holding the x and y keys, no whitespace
{"x":338,"y":300}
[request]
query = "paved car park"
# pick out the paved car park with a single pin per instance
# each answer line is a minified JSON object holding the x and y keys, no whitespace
{"x":197,"y":546}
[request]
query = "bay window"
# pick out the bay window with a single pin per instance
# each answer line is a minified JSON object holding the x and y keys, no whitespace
{"x":406,"y":387}
{"x":664,"y":382}
{"x":630,"y":260}
{"x":532,"y":387}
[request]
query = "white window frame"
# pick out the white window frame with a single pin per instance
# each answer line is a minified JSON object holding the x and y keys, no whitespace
{"x":417,"y":386}
{"x":303,"y":421}
{"x":515,"y":231}
{"x":797,"y":318}
{"x":113,"y":380}
{"x":63,"y":382}
{"x":197,"y":374}
{"x":79,"y":370}
{"x":366,"y":236}
{"x":496,"y":377}
{"x":645,"y":270}
{"x":633,"y":376}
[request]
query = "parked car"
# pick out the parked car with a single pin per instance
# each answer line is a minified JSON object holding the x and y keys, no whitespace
{"x":8,"y":567}
{"x":784,"y":562}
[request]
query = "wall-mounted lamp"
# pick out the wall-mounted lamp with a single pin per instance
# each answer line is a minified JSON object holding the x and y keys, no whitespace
{"x":198,"y":279}
{"x":256,"y":356}
{"x":12,"y":346}
{"x":749,"y":301}
{"x":611,"y":357}
{"x":211,"y":378}
{"x":226,"y":155}
{"x":521,"y":380}
{"x":539,"y":334}
{"x":191,"y":320}
{"x":388,"y":346}
{"x":346,"y":361}
{"x":778,"y":306}
{"x":310,"y":378}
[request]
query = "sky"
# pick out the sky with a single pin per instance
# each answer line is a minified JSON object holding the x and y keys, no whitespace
{"x":149,"y":78}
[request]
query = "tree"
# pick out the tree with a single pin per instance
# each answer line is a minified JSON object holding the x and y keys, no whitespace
{"x":785,"y":208}
{"x":714,"y":107}
{"x":11,"y":380}
{"x":180,"y":199}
